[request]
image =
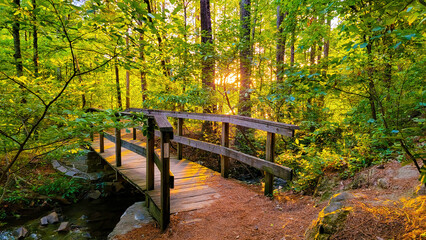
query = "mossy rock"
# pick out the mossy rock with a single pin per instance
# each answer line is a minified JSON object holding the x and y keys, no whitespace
{"x":331,"y":219}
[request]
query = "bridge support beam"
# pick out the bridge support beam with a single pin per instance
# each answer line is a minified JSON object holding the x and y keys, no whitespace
{"x":179,"y":133}
{"x":134,"y":133}
{"x":150,"y":155}
{"x":118,"y":147}
{"x":224,"y":161}
{"x":101,"y":142}
{"x":270,"y":148}
{"x":165,"y":179}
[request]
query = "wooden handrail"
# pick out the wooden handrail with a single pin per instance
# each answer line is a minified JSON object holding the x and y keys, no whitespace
{"x":266,"y":125}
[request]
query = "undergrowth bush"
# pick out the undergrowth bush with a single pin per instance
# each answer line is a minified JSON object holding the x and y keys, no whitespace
{"x":61,"y":186}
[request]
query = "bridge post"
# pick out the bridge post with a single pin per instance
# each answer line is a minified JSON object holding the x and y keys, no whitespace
{"x":179,"y":133}
{"x":101,"y":142}
{"x":165,"y":179}
{"x":224,"y":161}
{"x":118,"y":147}
{"x":150,"y":155}
{"x":270,"y":148}
{"x":134,"y":133}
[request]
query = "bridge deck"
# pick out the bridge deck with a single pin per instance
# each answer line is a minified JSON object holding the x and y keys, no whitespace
{"x":190,"y":190}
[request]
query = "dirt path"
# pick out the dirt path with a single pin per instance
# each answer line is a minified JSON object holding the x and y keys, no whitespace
{"x":241,"y":213}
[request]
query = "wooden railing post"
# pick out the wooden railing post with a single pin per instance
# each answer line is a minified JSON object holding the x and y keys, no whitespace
{"x":224,"y":161}
{"x":101,"y":142}
{"x":134,"y":133}
{"x":165,"y":179}
{"x":179,"y":133}
{"x":118,"y":147}
{"x":150,"y":155}
{"x":270,"y":148}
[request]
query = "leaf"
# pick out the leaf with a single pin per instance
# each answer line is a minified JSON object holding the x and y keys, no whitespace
{"x":396,"y":45}
{"x":409,"y":9}
{"x":363,"y":45}
{"x":410,"y":36}
{"x":377,"y":29}
{"x":150,"y":15}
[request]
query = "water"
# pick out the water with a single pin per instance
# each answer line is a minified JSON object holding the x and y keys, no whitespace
{"x":90,"y":219}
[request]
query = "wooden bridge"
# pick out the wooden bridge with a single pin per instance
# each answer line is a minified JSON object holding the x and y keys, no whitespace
{"x":176,"y":184}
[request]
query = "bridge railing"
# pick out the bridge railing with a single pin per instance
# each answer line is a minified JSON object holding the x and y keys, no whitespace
{"x":267,"y":165}
{"x":165,"y":132}
{"x":161,"y":213}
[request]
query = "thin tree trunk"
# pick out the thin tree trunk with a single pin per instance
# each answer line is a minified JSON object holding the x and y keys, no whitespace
{"x":117,"y":84}
{"x":127,"y":79}
{"x":83,"y":96}
{"x":371,"y":87}
{"x":326,"y":48}
{"x":35,"y":40}
{"x":17,"y":41}
{"x":142,"y":69}
{"x":293,"y":39}
{"x":280,"y":45}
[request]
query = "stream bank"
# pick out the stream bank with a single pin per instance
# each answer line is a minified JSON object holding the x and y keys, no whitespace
{"x":94,"y":216}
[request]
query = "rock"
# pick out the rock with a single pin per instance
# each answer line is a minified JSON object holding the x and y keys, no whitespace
{"x":332,"y":218}
{"x":136,"y":216}
{"x":94,"y":194}
{"x":64,"y":227}
{"x":383,"y":183}
{"x":359,"y":181}
{"x":118,"y":186}
{"x":43,"y":221}
{"x":52,"y":218}
{"x":21,"y":232}
{"x":421,"y":190}
{"x":407,"y":172}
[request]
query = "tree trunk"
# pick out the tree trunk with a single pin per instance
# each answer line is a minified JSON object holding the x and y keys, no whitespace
{"x":83,"y":96}
{"x":280,"y":45}
{"x":117,"y":84}
{"x":207,"y":48}
{"x":127,"y":79}
{"x":293,"y":39}
{"x":17,"y":41}
{"x":326,"y":48}
{"x":208,"y":71}
{"x":142,"y":70}
{"x":371,"y":87}
{"x":245,"y":59}
{"x":35,"y":40}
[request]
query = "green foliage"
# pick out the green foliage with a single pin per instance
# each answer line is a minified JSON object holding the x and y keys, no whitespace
{"x":61,"y":186}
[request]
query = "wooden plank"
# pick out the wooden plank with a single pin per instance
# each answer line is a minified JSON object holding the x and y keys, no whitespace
{"x":163,"y":124}
{"x":273,"y":168}
{"x":179,"y":133}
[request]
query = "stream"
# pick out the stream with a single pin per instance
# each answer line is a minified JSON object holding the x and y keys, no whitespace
{"x":89,"y":218}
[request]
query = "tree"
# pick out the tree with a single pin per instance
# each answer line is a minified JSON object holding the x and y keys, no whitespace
{"x":207,"y":55}
{"x":245,"y":59}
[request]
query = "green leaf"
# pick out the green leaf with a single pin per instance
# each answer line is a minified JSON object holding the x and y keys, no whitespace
{"x":150,"y":15}
{"x":363,"y":45}
{"x":396,"y":45}
{"x":377,"y":29}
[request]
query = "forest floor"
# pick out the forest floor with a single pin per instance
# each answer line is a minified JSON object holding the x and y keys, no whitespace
{"x":244,"y":213}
